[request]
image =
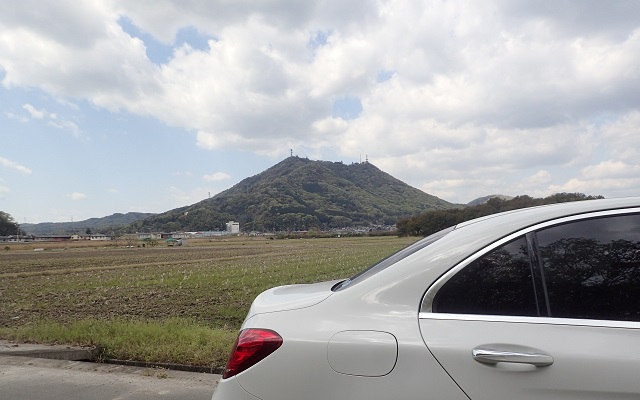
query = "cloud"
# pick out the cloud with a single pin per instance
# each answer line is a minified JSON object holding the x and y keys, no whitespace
{"x":454,"y":63}
{"x":75,"y":196}
{"x":53,"y":120}
{"x":185,"y":173}
{"x":216,"y":176}
{"x":622,"y":187}
{"x":611,"y":169}
{"x":3,"y":190}
{"x":37,"y":114}
{"x":181,"y":197}
{"x":14,"y":165}
{"x":455,"y":97}
{"x":622,"y":136}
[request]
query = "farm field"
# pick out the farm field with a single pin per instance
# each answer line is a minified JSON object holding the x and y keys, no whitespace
{"x":207,"y":284}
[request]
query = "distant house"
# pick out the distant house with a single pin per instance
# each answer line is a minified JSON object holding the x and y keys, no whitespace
{"x":99,"y":237}
{"x":150,"y":236}
{"x":181,"y":235}
{"x":210,"y":233}
{"x":233,"y":227}
{"x":76,"y":237}
{"x":52,"y":238}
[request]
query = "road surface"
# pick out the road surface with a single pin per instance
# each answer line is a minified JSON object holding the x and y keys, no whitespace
{"x":24,"y":378}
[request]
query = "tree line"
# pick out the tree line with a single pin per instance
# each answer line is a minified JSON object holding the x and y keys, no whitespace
{"x":429,"y":222}
{"x":9,"y":226}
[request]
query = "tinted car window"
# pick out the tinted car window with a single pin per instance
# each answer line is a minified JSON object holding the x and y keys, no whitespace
{"x":592,"y":268}
{"x":498,"y":283}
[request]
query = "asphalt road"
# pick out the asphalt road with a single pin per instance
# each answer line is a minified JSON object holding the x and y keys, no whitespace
{"x":24,"y":378}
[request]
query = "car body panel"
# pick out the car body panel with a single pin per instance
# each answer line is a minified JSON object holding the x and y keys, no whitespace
{"x":290,"y":297}
{"x":231,"y":389}
{"x":303,"y":359}
{"x":589,"y":362}
{"x":363,"y":353}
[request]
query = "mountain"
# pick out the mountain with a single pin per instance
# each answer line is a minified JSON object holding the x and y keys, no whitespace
{"x":301,"y":194}
{"x":96,"y":225}
{"x":484,"y":199}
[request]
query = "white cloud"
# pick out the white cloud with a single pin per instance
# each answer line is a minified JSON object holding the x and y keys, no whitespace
{"x":622,"y":136}
{"x":216,"y":176}
{"x":75,"y":196}
{"x":613,"y":187}
{"x":454,"y":63}
{"x":185,"y":173}
{"x":3,"y":190}
{"x":477,"y":98}
{"x":14,"y":165}
{"x":17,"y":117}
{"x":53,"y":120}
{"x":611,"y":169}
{"x":37,"y":114}
{"x":181,"y":197}
{"x":541,"y":177}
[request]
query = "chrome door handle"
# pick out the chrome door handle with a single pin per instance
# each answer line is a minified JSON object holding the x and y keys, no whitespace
{"x":493,"y":354}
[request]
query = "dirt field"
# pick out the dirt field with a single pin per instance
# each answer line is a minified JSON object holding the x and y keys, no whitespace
{"x":210,"y":281}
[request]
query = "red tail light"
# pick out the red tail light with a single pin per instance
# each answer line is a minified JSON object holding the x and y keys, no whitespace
{"x":251,"y":346}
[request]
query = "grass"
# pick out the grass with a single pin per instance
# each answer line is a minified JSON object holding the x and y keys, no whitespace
{"x":177,"y":305}
{"x":174,"y":340}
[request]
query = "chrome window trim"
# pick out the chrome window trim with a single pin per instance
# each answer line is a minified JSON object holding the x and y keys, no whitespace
{"x":531,"y":320}
{"x":427,"y":300}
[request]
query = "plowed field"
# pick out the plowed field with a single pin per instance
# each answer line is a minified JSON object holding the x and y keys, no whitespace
{"x":212,"y":283}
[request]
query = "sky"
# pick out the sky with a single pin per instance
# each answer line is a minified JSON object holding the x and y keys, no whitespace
{"x":113,"y":106}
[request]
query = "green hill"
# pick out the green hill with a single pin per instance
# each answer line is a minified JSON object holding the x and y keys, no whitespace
{"x":301,"y":194}
{"x":96,"y":225}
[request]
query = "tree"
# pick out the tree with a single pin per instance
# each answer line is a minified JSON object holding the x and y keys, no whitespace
{"x":8,"y":226}
{"x":434,"y":220}
{"x":148,"y":242}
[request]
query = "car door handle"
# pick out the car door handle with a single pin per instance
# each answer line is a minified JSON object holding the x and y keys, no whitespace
{"x":493,"y":354}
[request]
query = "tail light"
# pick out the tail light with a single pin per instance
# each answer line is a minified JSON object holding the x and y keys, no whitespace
{"x":252,"y":346}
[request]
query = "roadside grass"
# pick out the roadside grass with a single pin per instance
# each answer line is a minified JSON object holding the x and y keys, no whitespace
{"x":176,"y":305}
{"x":175,"y":340}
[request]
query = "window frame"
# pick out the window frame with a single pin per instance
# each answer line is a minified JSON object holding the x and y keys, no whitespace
{"x":426,"y":306}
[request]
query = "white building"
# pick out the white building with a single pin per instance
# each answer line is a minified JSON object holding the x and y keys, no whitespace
{"x":99,"y":237}
{"x":233,"y":227}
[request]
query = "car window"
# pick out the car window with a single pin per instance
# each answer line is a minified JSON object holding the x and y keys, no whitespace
{"x":392,"y":259}
{"x":592,"y":268}
{"x":498,"y":283}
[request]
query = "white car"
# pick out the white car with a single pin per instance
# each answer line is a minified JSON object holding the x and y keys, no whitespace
{"x":539,"y":303}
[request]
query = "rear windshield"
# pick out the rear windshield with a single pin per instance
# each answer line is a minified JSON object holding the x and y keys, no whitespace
{"x":392,"y":259}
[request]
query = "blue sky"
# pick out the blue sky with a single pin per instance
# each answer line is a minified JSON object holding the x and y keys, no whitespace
{"x":116,"y":106}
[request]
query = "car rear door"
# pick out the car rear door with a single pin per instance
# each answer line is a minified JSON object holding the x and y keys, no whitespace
{"x":517,"y":358}
{"x":552,"y":312}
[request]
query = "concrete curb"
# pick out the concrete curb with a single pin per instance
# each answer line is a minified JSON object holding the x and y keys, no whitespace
{"x":52,"y":352}
{"x":22,"y":361}
{"x":171,"y":366}
{"x":70,"y":353}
